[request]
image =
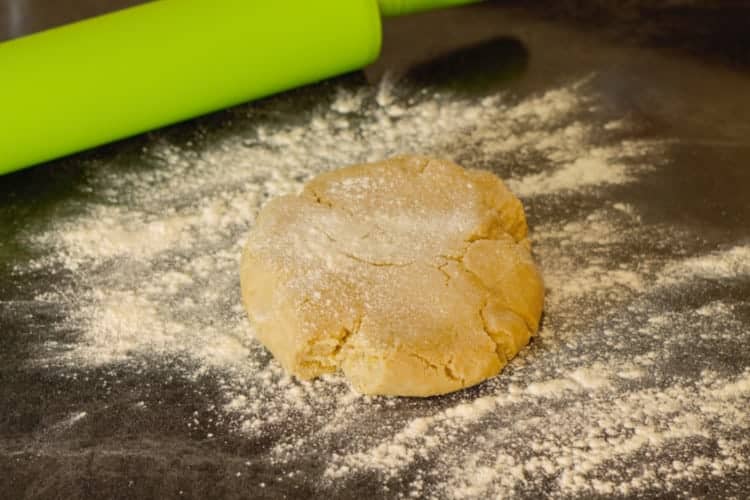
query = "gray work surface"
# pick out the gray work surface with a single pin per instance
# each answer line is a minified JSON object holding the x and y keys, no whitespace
{"x":678,"y":75}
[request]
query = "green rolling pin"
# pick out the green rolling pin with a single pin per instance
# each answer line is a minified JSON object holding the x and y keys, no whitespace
{"x":113,"y":76}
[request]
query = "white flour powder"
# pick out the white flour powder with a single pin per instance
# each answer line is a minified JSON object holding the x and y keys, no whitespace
{"x":589,"y":408}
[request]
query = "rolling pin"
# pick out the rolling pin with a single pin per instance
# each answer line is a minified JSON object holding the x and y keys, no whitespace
{"x":106,"y":78}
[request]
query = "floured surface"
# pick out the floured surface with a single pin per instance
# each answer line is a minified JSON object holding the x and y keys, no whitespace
{"x":412,"y":275}
{"x":609,"y":399}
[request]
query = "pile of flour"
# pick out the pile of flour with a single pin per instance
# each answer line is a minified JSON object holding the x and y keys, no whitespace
{"x":594,"y":406}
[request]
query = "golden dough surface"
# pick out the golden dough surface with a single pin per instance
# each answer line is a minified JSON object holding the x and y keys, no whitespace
{"x":412,"y":275}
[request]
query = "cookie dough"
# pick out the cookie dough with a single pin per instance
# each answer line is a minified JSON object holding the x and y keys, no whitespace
{"x":412,"y":275}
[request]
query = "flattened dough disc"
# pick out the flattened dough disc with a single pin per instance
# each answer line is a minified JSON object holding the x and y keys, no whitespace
{"x":412,"y":275}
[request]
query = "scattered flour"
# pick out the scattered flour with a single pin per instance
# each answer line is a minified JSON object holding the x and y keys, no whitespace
{"x":585,"y":171}
{"x":727,"y":264}
{"x":592,"y":407}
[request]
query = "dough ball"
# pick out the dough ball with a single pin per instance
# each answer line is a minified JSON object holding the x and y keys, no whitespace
{"x":412,"y":275}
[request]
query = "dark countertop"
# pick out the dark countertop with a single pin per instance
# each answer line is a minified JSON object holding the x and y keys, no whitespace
{"x":677,"y":72}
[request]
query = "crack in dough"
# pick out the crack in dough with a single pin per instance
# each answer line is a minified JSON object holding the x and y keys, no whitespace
{"x":412,"y":275}
{"x":363,"y":260}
